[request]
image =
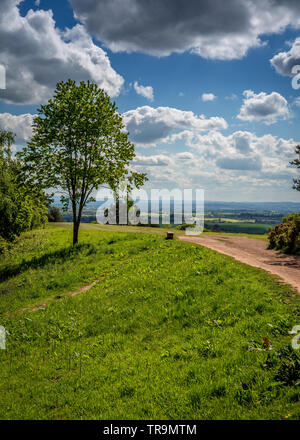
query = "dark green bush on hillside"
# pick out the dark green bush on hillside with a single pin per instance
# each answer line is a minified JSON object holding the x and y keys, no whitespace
{"x":21,"y":207}
{"x":3,"y":245}
{"x":54,"y":214}
{"x":286,"y":236}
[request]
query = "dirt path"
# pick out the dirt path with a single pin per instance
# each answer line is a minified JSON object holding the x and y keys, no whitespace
{"x":255,"y":253}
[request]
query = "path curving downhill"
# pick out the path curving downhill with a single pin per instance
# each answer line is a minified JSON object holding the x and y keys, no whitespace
{"x":253,"y":252}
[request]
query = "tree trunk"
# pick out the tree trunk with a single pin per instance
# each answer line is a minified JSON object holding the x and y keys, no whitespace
{"x":76,"y":225}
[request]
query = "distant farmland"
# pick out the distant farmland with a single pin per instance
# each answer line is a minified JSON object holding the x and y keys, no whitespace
{"x":238,"y":227}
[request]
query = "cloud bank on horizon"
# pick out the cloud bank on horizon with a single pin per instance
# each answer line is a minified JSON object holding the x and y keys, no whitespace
{"x":194,"y":141}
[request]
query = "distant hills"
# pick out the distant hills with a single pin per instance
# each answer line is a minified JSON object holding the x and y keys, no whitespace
{"x":281,"y":207}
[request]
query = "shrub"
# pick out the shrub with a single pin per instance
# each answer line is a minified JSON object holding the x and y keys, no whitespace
{"x":3,"y":245}
{"x":22,"y":207}
{"x":286,"y":236}
{"x":184,"y":226}
{"x":54,"y":214}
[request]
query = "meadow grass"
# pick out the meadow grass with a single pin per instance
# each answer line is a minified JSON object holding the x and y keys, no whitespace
{"x":152,"y":230}
{"x":171,"y":331}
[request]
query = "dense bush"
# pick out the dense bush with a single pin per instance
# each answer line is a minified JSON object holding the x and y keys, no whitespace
{"x":21,"y":207}
{"x":184,"y":226}
{"x":54,"y":214}
{"x":286,"y":236}
{"x":3,"y":245}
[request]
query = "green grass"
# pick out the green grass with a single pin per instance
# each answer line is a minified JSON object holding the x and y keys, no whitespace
{"x":171,"y":331}
{"x":152,"y":230}
{"x":228,"y":234}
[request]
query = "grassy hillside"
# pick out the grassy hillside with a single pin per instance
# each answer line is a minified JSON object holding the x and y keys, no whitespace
{"x":171,"y":330}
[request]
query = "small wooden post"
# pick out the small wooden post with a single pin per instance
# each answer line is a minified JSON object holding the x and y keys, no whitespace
{"x":170,"y":235}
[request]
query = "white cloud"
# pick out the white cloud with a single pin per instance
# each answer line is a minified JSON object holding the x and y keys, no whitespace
{"x":284,"y":62}
{"x":212,"y":29}
{"x":155,"y":160}
{"x":240,"y":143}
{"x":231,"y":97}
{"x":146,"y":91}
{"x":20,"y":125}
{"x":37,"y":55}
{"x":148,"y":125}
{"x":263,"y":107}
{"x":218,"y":164}
{"x":208,"y":97}
{"x":185,"y":156}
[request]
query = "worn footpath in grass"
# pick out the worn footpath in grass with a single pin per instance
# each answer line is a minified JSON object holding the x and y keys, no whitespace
{"x":171,"y":331}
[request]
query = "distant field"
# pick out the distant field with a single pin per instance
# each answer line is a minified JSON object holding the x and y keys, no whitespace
{"x":239,"y":227}
{"x":228,"y":220}
{"x":171,"y":331}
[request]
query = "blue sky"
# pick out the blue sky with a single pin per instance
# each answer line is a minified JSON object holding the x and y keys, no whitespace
{"x":158,"y":61}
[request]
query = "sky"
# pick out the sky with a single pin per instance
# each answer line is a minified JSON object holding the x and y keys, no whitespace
{"x":208,"y":89}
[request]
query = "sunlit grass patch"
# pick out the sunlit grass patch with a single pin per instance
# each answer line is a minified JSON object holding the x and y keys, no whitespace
{"x":172,"y":330}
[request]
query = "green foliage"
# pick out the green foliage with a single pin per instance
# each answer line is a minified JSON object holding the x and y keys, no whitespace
{"x":294,"y":217}
{"x":286,"y":365}
{"x":296,"y":163}
{"x":21,"y":207}
{"x":4,"y":246}
{"x":172,"y":330}
{"x":79,"y":143}
{"x":286,"y":236}
{"x":184,"y":226}
{"x":54,"y":214}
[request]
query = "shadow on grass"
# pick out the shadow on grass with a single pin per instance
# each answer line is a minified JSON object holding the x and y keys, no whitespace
{"x":60,"y":255}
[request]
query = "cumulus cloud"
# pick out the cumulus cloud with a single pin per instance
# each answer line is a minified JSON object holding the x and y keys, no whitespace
{"x":20,"y":125}
{"x":185,"y":156}
{"x":155,"y":160}
{"x":211,"y":28}
{"x":146,"y":91}
{"x":263,"y":107}
{"x":239,"y":163}
{"x":148,"y":125}
{"x":208,"y":97}
{"x":36,"y":55}
{"x":238,"y":144}
{"x":284,"y":62}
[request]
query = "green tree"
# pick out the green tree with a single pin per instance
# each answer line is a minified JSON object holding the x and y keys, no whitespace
{"x":296,"y":163}
{"x":21,"y":207}
{"x":79,"y":143}
{"x":54,"y":214}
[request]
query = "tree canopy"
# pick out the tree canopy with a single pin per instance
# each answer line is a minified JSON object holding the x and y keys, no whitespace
{"x":79,"y":143}
{"x":296,"y":163}
{"x":22,"y":207}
